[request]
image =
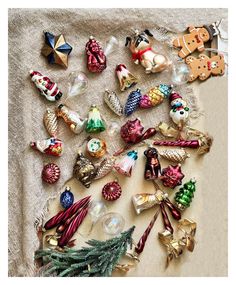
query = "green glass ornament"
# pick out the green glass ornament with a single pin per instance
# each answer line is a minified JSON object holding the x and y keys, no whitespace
{"x":95,"y":123}
{"x":184,"y":196}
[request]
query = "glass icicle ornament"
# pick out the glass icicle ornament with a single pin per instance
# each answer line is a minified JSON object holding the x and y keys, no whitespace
{"x":95,"y":124}
{"x":112,"y":45}
{"x":184,"y":196}
{"x":113,"y":102}
{"x":126,"y":78}
{"x":50,"y":122}
{"x":125,"y":166}
{"x":77,"y":84}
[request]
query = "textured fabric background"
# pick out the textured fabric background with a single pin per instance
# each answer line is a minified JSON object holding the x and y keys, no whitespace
{"x":28,"y":197}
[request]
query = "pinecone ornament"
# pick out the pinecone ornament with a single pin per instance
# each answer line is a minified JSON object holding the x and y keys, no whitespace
{"x":132,"y":102}
{"x":174,"y":155}
{"x":105,"y":167}
{"x":113,"y":102}
{"x":184,"y":196}
{"x":50,"y":122}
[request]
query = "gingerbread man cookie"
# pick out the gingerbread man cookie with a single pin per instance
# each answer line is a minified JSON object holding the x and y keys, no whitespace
{"x":194,"y":40}
{"x":203,"y":66}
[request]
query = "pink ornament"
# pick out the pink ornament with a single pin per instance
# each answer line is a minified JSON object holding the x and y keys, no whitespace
{"x":125,"y":166}
{"x":51,"y":173}
{"x":131,"y":131}
{"x":172,"y":176}
{"x":111,"y":191}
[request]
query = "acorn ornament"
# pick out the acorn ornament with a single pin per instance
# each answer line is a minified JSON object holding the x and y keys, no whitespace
{"x":132,"y":102}
{"x":111,"y":191}
{"x":45,"y":86}
{"x":125,"y":166}
{"x":184,"y":196}
{"x":113,"y":102}
{"x":172,"y":176}
{"x":50,"y":173}
{"x":95,"y":124}
{"x":71,"y":118}
{"x":126,"y":78}
{"x":67,"y":198}
{"x":50,"y":122}
{"x":51,"y":146}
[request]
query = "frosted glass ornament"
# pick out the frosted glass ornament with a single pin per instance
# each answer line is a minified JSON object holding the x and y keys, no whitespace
{"x":180,"y":73}
{"x":113,"y":224}
{"x":78,"y":83}
{"x":112,"y":45}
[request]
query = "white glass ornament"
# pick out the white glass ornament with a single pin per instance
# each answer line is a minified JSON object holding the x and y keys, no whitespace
{"x":180,"y":73}
{"x":78,"y":83}
{"x":112,"y":45}
{"x":113,"y":224}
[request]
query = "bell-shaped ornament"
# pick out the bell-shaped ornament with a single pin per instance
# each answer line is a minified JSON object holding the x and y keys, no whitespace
{"x":125,"y":166}
{"x":95,"y":123}
{"x":126,"y":78}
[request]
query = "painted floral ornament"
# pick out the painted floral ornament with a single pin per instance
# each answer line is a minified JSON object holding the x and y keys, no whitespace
{"x":126,"y":78}
{"x":126,"y":165}
{"x":71,"y":118}
{"x":113,"y":102}
{"x":67,"y":198}
{"x":172,"y":176}
{"x":50,"y":173}
{"x":179,"y":110}
{"x":84,"y":170}
{"x":131,"y":131}
{"x":51,"y":146}
{"x":132,"y":102}
{"x":56,"y":49}
{"x":152,"y":166}
{"x":45,"y":86}
{"x":50,"y":122}
{"x":184,"y":196}
{"x":140,"y":44}
{"x":96,"y":147}
{"x":111,"y":191}
{"x":96,"y":59}
{"x":155,"y":96}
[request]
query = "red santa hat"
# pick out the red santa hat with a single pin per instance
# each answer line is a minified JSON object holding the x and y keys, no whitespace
{"x":174,"y":96}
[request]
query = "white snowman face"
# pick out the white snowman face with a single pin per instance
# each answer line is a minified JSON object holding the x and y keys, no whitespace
{"x":179,"y":116}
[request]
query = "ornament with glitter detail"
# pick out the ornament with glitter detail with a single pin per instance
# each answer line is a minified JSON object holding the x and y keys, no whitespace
{"x":132,"y":102}
{"x":172,"y":176}
{"x":174,"y":155}
{"x":67,"y":198}
{"x":126,"y":165}
{"x":51,"y":146}
{"x":131,"y":131}
{"x":113,"y":102}
{"x":184,"y":196}
{"x":50,"y":173}
{"x":95,"y":124}
{"x":105,"y":167}
{"x":96,"y":147}
{"x":126,"y":78}
{"x":56,"y":49}
{"x":50,"y":122}
{"x":45,"y":86}
{"x":111,"y":191}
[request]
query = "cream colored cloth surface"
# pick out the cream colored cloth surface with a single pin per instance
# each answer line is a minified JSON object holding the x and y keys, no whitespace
{"x":29,"y":197}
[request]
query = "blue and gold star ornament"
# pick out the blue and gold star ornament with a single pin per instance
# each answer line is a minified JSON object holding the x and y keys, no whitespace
{"x":56,"y":49}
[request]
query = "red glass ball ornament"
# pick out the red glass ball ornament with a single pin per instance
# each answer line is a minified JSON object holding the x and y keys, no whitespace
{"x":111,"y":191}
{"x":51,"y":173}
{"x":131,"y":131}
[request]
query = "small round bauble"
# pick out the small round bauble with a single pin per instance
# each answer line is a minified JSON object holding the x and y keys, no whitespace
{"x":96,"y":147}
{"x":51,"y":173}
{"x":111,"y":191}
{"x":67,"y":198}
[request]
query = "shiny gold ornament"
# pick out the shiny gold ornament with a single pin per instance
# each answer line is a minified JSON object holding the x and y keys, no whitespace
{"x":174,"y":155}
{"x":50,"y":122}
{"x":84,"y":170}
{"x":105,"y":167}
{"x":96,"y":147}
{"x":52,"y":240}
{"x":167,"y":131}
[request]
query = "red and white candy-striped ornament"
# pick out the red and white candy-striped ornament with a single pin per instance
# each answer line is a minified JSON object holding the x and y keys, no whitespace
{"x":51,"y":173}
{"x":111,"y":191}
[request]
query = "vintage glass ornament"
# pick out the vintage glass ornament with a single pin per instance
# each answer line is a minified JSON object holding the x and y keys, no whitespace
{"x":105,"y":167}
{"x":95,"y":124}
{"x":96,"y":59}
{"x":112,"y":45}
{"x":172,"y":176}
{"x":96,"y":147}
{"x":179,"y":110}
{"x":45,"y":86}
{"x":77,"y":83}
{"x":180,"y":73}
{"x":50,"y":173}
{"x":125,"y":166}
{"x":71,"y":118}
{"x":67,"y":198}
{"x":51,"y":146}
{"x":113,"y":102}
{"x":155,"y":96}
{"x":84,"y":170}
{"x":131,"y":131}
{"x":174,"y":155}
{"x":113,"y":129}
{"x":152,"y":166}
{"x":132,"y":102}
{"x":113,"y":223}
{"x":126,"y":78}
{"x":50,"y":122}
{"x":111,"y":191}
{"x":56,"y":49}
{"x":184,"y":196}
{"x":140,"y":45}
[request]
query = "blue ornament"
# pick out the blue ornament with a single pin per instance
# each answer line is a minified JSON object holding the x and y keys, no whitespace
{"x":132,"y":102}
{"x":67,"y":198}
{"x":166,"y":89}
{"x":56,"y":49}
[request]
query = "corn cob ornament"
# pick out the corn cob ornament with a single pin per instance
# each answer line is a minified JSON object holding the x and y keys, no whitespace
{"x":184,"y":196}
{"x":50,"y":122}
{"x":132,"y":102}
{"x":113,"y":102}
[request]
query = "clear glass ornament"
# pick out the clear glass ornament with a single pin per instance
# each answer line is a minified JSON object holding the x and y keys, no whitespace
{"x":180,"y":73}
{"x":78,"y":83}
{"x":112,"y":45}
{"x":113,"y":129}
{"x":113,"y":224}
